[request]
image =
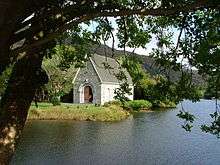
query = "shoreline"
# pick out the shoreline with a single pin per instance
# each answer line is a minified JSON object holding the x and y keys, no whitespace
{"x":83,"y":112}
{"x":76,"y":112}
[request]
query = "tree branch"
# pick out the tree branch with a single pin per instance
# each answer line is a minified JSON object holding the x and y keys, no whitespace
{"x":199,"y":4}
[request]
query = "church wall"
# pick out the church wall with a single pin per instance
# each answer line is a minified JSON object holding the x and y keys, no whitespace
{"x":107,"y":92}
{"x":87,"y":76}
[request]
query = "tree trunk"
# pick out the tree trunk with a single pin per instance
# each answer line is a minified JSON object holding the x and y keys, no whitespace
{"x":24,"y":81}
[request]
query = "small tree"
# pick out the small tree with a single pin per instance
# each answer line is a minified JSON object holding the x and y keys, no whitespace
{"x":60,"y":73}
{"x":213,"y":88}
{"x":123,"y":90}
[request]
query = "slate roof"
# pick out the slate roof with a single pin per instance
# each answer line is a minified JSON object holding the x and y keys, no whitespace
{"x":107,"y":74}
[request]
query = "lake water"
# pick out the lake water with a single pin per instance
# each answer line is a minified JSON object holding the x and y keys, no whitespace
{"x":154,"y":138}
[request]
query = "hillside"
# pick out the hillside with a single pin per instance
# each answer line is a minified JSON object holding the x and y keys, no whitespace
{"x":149,"y":63}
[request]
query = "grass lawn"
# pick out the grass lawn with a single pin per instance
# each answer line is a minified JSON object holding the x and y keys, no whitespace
{"x":89,"y":112}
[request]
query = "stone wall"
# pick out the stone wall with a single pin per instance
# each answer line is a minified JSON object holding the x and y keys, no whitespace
{"x":87,"y":76}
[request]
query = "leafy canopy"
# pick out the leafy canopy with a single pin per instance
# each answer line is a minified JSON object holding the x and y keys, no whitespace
{"x":33,"y":27}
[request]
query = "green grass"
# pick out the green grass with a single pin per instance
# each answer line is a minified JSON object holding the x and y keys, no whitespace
{"x":89,"y":112}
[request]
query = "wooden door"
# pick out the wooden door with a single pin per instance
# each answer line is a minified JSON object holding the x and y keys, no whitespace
{"x":88,"y":97}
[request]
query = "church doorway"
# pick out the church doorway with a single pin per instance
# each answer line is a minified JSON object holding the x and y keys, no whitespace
{"x":88,"y":94}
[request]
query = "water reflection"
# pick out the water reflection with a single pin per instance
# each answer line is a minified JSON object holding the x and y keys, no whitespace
{"x":148,"y":138}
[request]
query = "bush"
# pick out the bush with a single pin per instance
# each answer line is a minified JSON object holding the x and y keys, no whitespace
{"x":114,"y":102}
{"x":164,"y":104}
{"x":137,"y":105}
{"x":55,"y":101}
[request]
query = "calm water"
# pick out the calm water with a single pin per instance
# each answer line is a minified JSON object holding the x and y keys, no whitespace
{"x":154,"y":138}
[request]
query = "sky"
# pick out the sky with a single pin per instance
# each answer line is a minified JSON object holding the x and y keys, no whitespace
{"x":142,"y":51}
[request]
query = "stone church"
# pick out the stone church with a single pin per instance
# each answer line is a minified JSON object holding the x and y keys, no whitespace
{"x":95,"y":83}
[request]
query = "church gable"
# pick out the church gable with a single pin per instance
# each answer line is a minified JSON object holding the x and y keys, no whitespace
{"x":87,"y":77}
{"x":87,"y":73}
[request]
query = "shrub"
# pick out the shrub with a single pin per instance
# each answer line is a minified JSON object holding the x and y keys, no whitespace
{"x":137,"y":105}
{"x":164,"y":104}
{"x":114,"y":102}
{"x":55,"y":101}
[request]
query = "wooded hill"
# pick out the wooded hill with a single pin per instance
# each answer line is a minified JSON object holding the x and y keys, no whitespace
{"x":149,"y":64}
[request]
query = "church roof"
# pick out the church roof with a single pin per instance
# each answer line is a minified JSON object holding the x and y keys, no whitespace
{"x":107,"y":68}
